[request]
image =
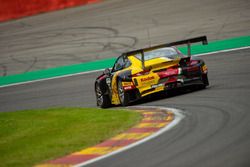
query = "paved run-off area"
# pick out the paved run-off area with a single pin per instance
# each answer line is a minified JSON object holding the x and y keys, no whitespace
{"x":106,"y":29}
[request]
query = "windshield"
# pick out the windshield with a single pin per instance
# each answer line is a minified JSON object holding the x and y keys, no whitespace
{"x":167,"y":52}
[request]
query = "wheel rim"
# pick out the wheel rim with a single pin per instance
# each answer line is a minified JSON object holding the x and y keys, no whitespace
{"x":99,"y":96}
{"x":121,"y":92}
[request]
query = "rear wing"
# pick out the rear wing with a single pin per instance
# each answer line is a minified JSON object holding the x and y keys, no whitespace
{"x":187,"y":42}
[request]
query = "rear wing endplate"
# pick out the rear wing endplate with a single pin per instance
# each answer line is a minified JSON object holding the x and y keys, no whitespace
{"x":187,"y":42}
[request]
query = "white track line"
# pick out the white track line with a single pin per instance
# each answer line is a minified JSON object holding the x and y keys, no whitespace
{"x":45,"y":79}
{"x":88,"y":72}
{"x":223,"y":51}
{"x":178,"y":117}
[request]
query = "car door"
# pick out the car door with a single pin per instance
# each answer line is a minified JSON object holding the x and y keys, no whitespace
{"x":117,"y":68}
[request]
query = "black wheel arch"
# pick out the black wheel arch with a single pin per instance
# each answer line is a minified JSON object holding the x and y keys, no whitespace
{"x":103,"y":85}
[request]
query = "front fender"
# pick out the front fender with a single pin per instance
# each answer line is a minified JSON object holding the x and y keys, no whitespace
{"x":103,"y":85}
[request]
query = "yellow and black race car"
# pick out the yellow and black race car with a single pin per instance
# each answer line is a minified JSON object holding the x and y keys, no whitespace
{"x":145,"y":71}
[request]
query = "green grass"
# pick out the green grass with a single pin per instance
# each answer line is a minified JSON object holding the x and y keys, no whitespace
{"x":34,"y":136}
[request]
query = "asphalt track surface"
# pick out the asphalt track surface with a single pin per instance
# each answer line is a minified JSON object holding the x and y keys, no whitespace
{"x":108,"y":28}
{"x":214,"y":132}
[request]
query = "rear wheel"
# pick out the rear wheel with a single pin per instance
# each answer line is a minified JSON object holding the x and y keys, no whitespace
{"x":205,"y":79}
{"x":123,"y":96}
{"x":205,"y":82}
{"x":102,"y":100}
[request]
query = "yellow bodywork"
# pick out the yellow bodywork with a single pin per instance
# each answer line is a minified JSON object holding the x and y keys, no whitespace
{"x":146,"y":81}
{"x":204,"y":69}
{"x":115,"y":97}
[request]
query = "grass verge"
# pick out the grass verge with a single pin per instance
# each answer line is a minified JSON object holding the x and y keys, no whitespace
{"x":34,"y":136}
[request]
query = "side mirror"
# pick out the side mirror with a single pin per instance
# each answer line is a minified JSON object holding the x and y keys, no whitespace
{"x":107,"y":72}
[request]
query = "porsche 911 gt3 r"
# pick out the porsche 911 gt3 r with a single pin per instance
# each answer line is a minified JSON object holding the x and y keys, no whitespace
{"x":146,"y":71}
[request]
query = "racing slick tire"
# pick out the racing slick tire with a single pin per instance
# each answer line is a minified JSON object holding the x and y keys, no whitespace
{"x":102,"y":100}
{"x":123,"y":95}
{"x":204,"y":79}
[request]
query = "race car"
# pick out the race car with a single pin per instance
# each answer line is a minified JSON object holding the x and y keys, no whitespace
{"x":142,"y":72}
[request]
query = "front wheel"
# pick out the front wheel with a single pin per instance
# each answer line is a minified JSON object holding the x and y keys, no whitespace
{"x":123,"y":96}
{"x":102,"y":100}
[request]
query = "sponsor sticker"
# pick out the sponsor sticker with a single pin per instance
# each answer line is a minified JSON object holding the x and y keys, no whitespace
{"x":157,"y":85}
{"x":128,"y":87}
{"x":126,"y":84}
{"x":149,"y":78}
